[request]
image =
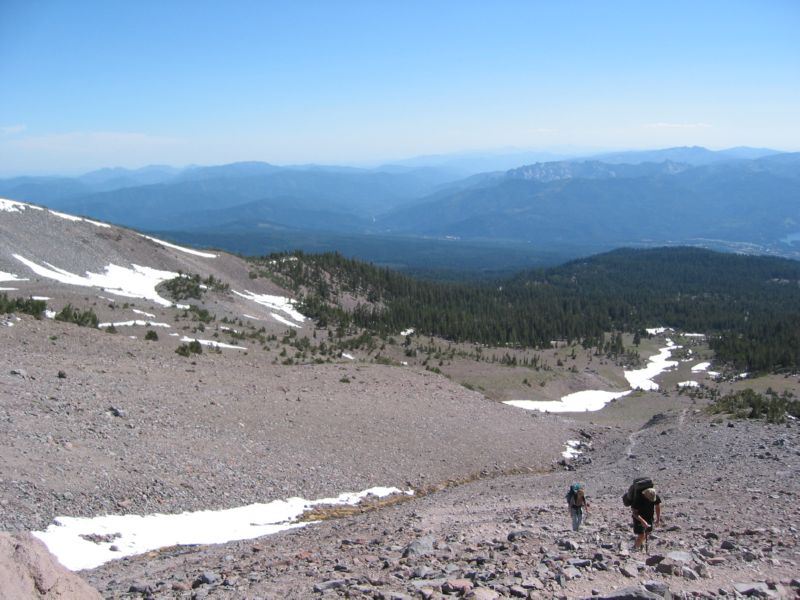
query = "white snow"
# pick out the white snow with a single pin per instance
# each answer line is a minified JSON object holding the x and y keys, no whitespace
{"x":40,"y":298}
{"x":408,"y":331}
{"x":136,"y":534}
{"x":134,"y":282}
{"x":77,"y":219}
{"x":141,"y":312}
{"x":703,"y":366}
{"x":688,"y":384}
{"x":11,"y":277}
{"x":643,"y":378}
{"x":592,"y":400}
{"x":212,"y":343}
{"x":656,"y":330}
{"x":5,"y":289}
{"x":697,"y":335}
{"x":280,"y":319}
{"x":346,"y":355}
{"x":278,"y":303}
{"x":251,"y":317}
{"x":14,"y":206}
{"x":50,"y":314}
{"x":132,"y":323}
{"x":586,"y":400}
{"x":572,"y":449}
{"x":181,"y":248}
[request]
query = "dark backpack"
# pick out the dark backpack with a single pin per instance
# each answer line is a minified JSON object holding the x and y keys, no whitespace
{"x":637,"y":487}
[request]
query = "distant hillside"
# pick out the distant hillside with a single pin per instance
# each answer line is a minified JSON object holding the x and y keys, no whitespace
{"x":743,"y":200}
{"x":742,"y":205}
{"x":750,"y":306}
{"x":157,"y":197}
{"x":693,"y":155}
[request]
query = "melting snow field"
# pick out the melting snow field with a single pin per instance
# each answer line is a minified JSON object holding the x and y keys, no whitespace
{"x":134,"y":282}
{"x":212,"y":343}
{"x":13,"y":206}
{"x":181,"y":248}
{"x":587,"y":400}
{"x":642,"y":379}
{"x":77,"y":219}
{"x":135,"y":534}
{"x":132,"y":323}
{"x":11,"y":277}
{"x":278,"y":303}
{"x":593,"y":400}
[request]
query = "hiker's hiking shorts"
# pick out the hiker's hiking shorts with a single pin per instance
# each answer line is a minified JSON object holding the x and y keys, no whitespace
{"x":639,"y":528}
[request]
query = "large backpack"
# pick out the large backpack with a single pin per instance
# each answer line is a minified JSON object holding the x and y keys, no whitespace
{"x":573,"y":491}
{"x":637,"y":487}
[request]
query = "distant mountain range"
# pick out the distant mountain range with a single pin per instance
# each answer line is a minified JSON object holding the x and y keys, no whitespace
{"x":743,"y":199}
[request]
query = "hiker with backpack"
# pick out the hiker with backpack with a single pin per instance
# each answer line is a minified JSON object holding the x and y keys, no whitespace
{"x":577,"y":504}
{"x":645,"y":504}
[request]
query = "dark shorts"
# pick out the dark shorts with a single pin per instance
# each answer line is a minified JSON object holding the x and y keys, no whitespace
{"x":639,"y":528}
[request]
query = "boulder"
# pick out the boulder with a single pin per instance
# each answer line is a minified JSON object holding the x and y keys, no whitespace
{"x":419,"y":547}
{"x":631,"y":593}
{"x":28,"y":570}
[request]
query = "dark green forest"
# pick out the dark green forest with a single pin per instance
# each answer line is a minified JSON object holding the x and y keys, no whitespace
{"x":748,"y":306}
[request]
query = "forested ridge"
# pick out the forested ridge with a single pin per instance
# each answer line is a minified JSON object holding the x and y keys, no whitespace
{"x":749,"y":306}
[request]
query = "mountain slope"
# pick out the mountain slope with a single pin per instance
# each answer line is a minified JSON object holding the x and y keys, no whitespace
{"x":754,"y":202}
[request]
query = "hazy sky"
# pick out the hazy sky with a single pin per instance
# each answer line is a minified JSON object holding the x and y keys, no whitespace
{"x":111,"y":83}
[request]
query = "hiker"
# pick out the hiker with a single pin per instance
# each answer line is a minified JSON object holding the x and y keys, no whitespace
{"x":577,"y":504}
{"x":645,"y":505}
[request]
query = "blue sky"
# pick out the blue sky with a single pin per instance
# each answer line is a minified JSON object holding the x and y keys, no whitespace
{"x":90,"y":84}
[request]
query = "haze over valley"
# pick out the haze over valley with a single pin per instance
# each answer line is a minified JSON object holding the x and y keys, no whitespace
{"x":339,"y":300}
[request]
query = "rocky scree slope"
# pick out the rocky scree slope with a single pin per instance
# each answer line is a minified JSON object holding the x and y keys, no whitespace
{"x":730,"y":530}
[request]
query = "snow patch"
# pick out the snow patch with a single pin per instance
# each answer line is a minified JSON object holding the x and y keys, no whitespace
{"x":656,"y":330}
{"x":280,"y":319}
{"x":12,"y":206}
{"x":181,"y":248}
{"x":134,"y":282}
{"x":141,"y":312}
{"x":349,"y":356}
{"x":688,"y":384}
{"x":593,"y":400}
{"x":278,"y":303}
{"x":408,"y":331}
{"x":132,"y":323}
{"x":703,"y":366}
{"x":137,"y":534}
{"x":77,"y":219}
{"x":584,"y":401}
{"x":643,"y":378}
{"x":11,"y":277}
{"x":572,"y":449}
{"x":212,"y":343}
